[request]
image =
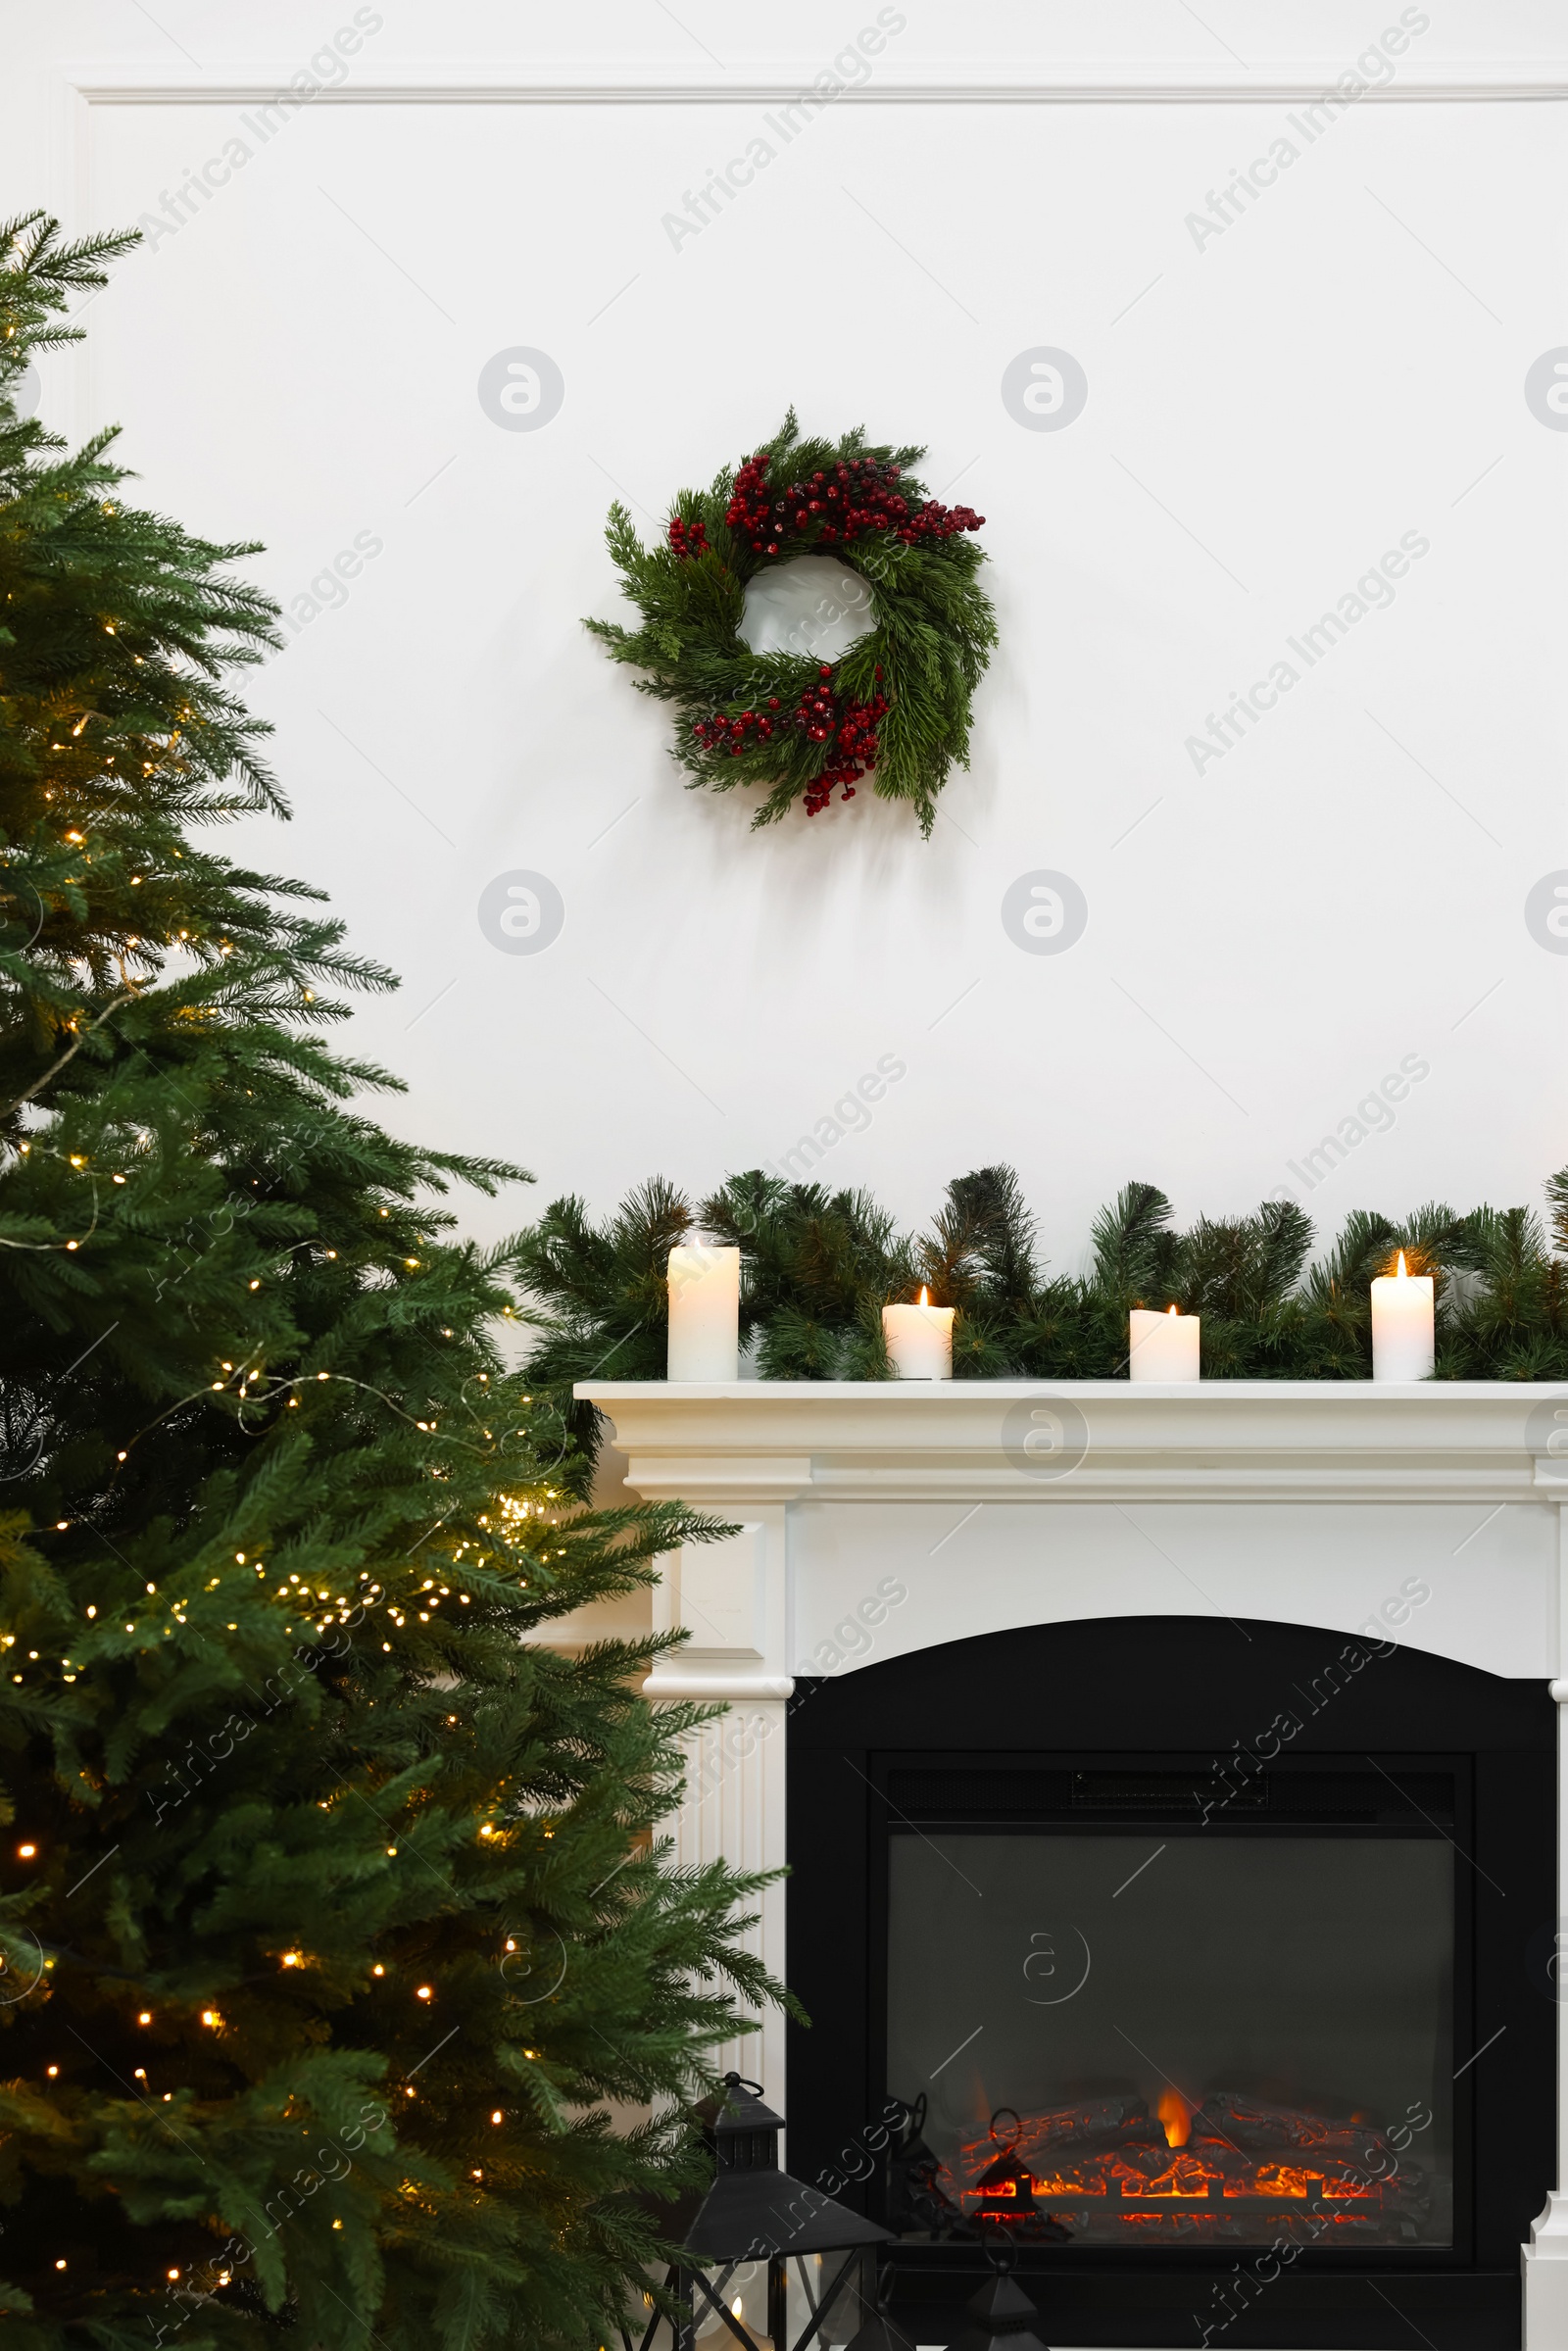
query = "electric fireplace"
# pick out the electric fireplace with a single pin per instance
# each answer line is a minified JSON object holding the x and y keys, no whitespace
{"x":1124,"y":2024}
{"x":1211,"y":2030}
{"x":1174,"y":1881}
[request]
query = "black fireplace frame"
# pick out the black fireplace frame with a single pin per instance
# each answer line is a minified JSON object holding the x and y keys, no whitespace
{"x":1130,"y":1694}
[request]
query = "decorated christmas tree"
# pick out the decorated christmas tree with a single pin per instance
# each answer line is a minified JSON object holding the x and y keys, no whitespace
{"x":333,"y":1914}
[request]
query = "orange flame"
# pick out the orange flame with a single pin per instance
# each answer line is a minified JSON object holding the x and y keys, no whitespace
{"x":1403,"y":1272}
{"x":925,"y":1294}
{"x":1173,"y":2109}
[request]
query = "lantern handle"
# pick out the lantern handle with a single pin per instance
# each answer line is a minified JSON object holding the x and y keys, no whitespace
{"x":739,"y":2081}
{"x":1000,"y":2250}
{"x":1017,"y":2133}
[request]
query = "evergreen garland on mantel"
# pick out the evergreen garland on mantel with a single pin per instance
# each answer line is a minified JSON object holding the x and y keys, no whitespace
{"x":818,"y":1266}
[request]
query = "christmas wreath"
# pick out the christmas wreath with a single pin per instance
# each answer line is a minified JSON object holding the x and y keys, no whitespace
{"x":816,"y":618}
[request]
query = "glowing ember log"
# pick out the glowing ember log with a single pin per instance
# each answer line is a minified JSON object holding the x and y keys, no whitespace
{"x":1108,"y":2168}
{"x":1244,"y":2122}
{"x":1093,"y":2123}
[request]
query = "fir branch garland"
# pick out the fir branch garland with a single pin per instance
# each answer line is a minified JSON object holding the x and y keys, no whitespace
{"x":817,"y":1267}
{"x":896,"y":705}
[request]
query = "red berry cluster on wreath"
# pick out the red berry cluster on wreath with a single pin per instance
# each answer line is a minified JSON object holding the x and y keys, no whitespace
{"x":936,"y":522}
{"x":847,"y":726}
{"x":857,"y":495}
{"x":688,"y":538}
{"x":735,"y":735}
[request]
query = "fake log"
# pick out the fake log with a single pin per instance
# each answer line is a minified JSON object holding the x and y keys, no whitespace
{"x":1272,"y":2129}
{"x":1066,"y":2132}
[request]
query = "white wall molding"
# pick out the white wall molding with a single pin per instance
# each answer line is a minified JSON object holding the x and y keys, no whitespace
{"x":622,"y":82}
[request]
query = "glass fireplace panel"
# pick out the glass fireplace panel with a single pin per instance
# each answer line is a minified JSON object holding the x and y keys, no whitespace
{"x":1233,"y":2040}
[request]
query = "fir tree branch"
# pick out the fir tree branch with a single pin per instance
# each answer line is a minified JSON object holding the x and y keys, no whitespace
{"x":29,"y":1091}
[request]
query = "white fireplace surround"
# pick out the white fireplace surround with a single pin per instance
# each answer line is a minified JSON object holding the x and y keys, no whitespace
{"x":875,"y":1519}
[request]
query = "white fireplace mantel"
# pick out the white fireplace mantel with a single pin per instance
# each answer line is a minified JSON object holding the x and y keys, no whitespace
{"x":870,"y":1519}
{"x":1214,"y":1441}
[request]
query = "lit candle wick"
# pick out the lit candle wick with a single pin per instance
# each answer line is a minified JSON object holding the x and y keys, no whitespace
{"x":925,"y":1295}
{"x":1403,"y":1273}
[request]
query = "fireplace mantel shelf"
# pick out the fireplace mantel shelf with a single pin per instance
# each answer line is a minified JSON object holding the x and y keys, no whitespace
{"x":1100,"y":1440}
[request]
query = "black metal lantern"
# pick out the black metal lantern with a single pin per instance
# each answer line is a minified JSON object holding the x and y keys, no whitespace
{"x":1001,"y":2319}
{"x":1008,"y":2189}
{"x":753,"y":2211}
{"x":916,"y":2199}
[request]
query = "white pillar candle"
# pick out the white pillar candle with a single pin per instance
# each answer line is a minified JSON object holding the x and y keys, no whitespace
{"x":1163,"y":1346}
{"x":919,"y":1339}
{"x":705,"y":1312}
{"x":1404,"y":1320}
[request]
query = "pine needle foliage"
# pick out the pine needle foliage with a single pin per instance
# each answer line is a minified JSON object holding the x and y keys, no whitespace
{"x":935,"y":629}
{"x":335,"y":1906}
{"x":817,"y":1267}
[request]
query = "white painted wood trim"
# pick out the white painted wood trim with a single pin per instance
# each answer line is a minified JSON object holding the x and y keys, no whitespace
{"x":1245,"y":1441}
{"x":591,"y":82}
{"x":729,"y":1600}
{"x":717,"y":1689}
{"x":1545,"y":2258}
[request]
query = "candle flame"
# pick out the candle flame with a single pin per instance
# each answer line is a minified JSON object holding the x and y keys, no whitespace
{"x":925,"y":1297}
{"x":1402,"y":1275}
{"x":1172,"y":1309}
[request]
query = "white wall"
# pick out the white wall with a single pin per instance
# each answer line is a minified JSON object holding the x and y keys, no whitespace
{"x":1268,"y":412}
